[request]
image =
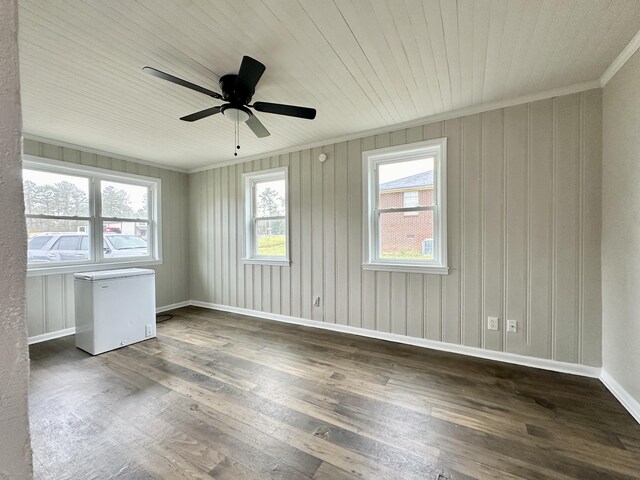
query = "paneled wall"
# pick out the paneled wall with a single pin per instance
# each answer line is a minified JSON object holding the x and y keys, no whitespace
{"x":50,"y":305}
{"x":524,"y":200}
{"x":621,"y":231}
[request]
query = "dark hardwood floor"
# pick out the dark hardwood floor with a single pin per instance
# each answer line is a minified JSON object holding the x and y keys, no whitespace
{"x":232,"y":397}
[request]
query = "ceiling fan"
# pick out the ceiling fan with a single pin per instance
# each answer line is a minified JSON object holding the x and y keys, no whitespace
{"x":237,"y":91}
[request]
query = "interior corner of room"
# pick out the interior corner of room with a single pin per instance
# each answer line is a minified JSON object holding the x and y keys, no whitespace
{"x":459,"y":219}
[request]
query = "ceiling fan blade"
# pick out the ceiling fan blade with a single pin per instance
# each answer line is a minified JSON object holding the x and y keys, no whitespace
{"x":289,"y":110}
{"x":257,"y":127}
{"x":250,"y":72}
{"x":202,"y":114}
{"x":178,"y":81}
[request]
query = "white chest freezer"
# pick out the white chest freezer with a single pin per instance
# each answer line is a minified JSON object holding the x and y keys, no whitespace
{"x":114,"y":308}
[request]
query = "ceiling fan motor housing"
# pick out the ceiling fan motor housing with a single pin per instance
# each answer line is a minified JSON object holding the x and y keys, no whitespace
{"x":233,"y":92}
{"x":237,"y":91}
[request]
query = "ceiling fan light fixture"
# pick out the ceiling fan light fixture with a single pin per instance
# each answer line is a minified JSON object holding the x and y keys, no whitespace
{"x":236,"y":114}
{"x":237,"y":91}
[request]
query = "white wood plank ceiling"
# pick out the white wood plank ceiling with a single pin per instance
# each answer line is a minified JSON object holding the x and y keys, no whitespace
{"x":363,"y":64}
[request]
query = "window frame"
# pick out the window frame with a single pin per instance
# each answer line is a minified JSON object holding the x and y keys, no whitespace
{"x":371,"y":160}
{"x":95,"y":175}
{"x":249,"y":181}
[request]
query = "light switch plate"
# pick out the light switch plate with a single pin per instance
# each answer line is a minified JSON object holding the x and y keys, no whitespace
{"x":512,"y":326}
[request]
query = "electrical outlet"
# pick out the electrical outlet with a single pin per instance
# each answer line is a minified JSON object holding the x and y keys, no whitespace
{"x":492,"y":323}
{"x":148,"y":330}
{"x":316,"y":301}
{"x":512,"y":326}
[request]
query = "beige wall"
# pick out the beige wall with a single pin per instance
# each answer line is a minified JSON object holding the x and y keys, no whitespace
{"x":50,"y":305}
{"x":15,"y":449}
{"x":524,"y":219}
{"x":524,"y":237}
{"x":621,"y":228}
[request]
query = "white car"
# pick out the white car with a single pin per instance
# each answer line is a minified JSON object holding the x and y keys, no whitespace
{"x":56,"y":247}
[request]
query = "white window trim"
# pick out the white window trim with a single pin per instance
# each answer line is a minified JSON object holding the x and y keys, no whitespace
{"x":249,"y":179}
{"x":370,"y":160}
{"x":98,"y":262}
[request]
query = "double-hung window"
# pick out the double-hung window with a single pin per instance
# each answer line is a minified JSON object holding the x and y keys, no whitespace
{"x":83,"y":218}
{"x":405,"y":207}
{"x":266,"y":217}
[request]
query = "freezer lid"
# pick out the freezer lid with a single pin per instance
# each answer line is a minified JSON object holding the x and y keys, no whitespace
{"x":107,"y":274}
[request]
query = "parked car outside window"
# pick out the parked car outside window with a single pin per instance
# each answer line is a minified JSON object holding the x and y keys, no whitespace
{"x":74,"y":247}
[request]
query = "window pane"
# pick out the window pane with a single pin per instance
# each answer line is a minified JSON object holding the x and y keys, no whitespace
{"x":271,"y":238}
{"x":407,"y":237}
{"x":122,"y":200}
{"x":270,"y":198}
{"x":125,"y":239}
{"x":48,"y":193}
{"x":67,"y":242}
{"x":411,"y":181}
{"x":55,"y":241}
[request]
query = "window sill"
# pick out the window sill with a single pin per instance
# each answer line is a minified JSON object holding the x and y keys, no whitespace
{"x":266,"y":261}
{"x":89,"y":267}
{"x":406,"y":268}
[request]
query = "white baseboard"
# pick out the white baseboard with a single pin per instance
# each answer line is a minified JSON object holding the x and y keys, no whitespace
{"x":51,"y":335}
{"x":173,"y":306}
{"x":70,"y":331}
{"x":631,"y":404}
{"x":542,"y":363}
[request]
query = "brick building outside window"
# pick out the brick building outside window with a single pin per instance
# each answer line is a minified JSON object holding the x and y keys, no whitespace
{"x":407,"y":234}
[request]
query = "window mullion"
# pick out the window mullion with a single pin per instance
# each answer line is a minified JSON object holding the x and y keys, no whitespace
{"x":281,"y":217}
{"x":151,"y":228}
{"x":408,"y":209}
{"x":254,"y":238}
{"x":96,"y":224}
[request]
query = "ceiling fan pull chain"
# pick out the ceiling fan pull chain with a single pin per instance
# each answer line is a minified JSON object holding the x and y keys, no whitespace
{"x":237,"y":91}
{"x":236,"y":137}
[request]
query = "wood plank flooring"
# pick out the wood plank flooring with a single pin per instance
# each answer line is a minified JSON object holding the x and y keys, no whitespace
{"x":224,"y":396}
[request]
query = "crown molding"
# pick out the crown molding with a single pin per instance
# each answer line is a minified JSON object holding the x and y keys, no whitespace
{"x":485,"y":107}
{"x":620,"y":60}
{"x":82,"y":148}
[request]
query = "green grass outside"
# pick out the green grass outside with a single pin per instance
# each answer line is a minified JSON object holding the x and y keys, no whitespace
{"x":276,"y":246}
{"x":272,"y":246}
{"x":407,"y":254}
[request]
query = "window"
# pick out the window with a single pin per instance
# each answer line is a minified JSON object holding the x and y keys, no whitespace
{"x":405,"y":200}
{"x":83,"y":218}
{"x":410,"y":199}
{"x":266,"y":215}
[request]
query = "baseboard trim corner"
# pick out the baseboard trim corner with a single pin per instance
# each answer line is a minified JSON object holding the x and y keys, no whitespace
{"x":541,"y":363}
{"x":173,"y":306}
{"x":624,"y":397}
{"x":51,"y":335}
